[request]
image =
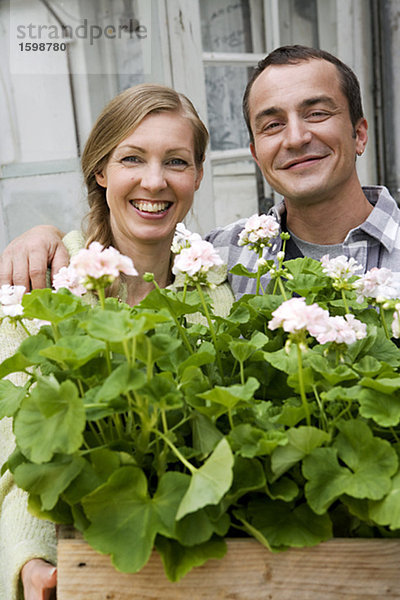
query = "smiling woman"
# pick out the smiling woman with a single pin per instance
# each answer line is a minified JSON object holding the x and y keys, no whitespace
{"x":142,"y":164}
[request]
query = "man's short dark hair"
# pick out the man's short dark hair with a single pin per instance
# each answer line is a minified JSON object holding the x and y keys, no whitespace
{"x":291,"y":55}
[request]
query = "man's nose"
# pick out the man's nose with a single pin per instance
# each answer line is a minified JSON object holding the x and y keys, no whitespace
{"x":297,"y":133}
{"x":153,"y":177}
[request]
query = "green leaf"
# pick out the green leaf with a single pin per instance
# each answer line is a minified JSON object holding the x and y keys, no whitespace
{"x":51,"y":420}
{"x":230,"y":396}
{"x":74,"y":351}
{"x":284,"y":526}
{"x":301,"y":441}
{"x":13,"y":364}
{"x":250,"y":441}
{"x":205,"y":434}
{"x":383,"y":408}
{"x":125,"y":519}
{"x":122,"y":380}
{"x":198,"y":527}
{"x":111,"y":326}
{"x":327,"y":479}
{"x":369,"y":463}
{"x":46,"y":305}
{"x":178,"y":560}
{"x":198,"y":359}
{"x":241,"y":350}
{"x":387,"y":511}
{"x":11,"y":397}
{"x":32,"y":346}
{"x":284,"y":489}
{"x":242,"y":271}
{"x":210,"y":482}
{"x":49,"y":480}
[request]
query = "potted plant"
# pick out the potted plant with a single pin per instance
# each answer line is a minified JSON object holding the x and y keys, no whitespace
{"x":143,"y":429}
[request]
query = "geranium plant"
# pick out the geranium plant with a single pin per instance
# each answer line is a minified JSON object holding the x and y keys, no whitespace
{"x":146,"y":427}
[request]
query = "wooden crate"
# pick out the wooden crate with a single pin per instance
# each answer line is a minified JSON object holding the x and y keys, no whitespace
{"x":341,"y":569}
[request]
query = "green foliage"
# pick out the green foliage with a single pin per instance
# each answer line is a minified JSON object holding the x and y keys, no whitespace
{"x":145,"y":430}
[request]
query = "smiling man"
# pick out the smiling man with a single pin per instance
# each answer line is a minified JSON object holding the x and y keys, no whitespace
{"x":304,"y":114}
{"x":306,"y":124}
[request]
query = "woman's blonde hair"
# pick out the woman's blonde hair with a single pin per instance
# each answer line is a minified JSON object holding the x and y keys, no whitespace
{"x":117,"y":120}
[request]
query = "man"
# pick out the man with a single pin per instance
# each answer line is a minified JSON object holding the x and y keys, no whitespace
{"x":304,"y":114}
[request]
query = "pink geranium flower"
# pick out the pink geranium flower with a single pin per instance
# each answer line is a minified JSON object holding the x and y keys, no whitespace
{"x":95,"y":263}
{"x":295,"y":315}
{"x":380,"y":284}
{"x":258,"y":231}
{"x":11,"y":298}
{"x":67,"y":277}
{"x":197,"y":260}
{"x":340,"y":267}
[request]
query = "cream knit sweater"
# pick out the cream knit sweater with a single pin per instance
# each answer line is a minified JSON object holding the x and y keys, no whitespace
{"x":22,"y":536}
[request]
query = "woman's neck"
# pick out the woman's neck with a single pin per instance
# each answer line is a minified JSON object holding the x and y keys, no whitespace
{"x":147,"y":258}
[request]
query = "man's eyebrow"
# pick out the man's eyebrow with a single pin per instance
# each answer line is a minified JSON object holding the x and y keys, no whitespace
{"x":318,"y":100}
{"x":266,"y":112}
{"x":308,"y":102}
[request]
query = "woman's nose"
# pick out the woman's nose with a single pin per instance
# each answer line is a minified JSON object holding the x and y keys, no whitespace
{"x":153,"y":177}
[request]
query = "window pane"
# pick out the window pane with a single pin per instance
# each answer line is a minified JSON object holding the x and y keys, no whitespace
{"x":308,"y":22}
{"x":225,"y":86}
{"x":232,"y":25}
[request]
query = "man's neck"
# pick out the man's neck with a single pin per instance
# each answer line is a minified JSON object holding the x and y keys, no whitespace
{"x":327,"y":222}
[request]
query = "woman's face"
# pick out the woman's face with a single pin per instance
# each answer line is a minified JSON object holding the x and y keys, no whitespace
{"x":150,"y":179}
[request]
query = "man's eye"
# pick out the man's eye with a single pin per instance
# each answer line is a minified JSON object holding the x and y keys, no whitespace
{"x":272,"y":126}
{"x":318,"y":115}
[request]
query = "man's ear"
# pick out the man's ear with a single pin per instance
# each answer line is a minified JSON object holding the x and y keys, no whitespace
{"x":253,"y":153}
{"x":101,"y":179}
{"x":361,"y":130}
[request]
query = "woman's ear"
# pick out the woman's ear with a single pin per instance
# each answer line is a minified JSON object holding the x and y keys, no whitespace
{"x":101,"y":179}
{"x":199,"y":177}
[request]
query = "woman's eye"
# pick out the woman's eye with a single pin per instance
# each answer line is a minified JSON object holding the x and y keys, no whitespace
{"x":177,"y":162}
{"x":131,"y":159}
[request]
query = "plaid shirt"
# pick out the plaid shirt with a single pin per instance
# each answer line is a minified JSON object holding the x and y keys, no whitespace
{"x":374,"y":243}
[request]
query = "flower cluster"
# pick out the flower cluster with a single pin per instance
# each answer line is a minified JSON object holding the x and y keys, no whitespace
{"x":183,"y":238}
{"x":296,"y":316}
{"x":340,"y":267}
{"x":381,"y":284}
{"x":258,"y":231}
{"x":11,"y":298}
{"x":197,"y":261}
{"x":92,"y":267}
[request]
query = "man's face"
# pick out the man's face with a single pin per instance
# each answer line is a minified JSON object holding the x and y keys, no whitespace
{"x":304,"y":141}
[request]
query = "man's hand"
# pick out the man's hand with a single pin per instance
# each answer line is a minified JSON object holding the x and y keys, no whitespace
{"x":26,"y":259}
{"x":39,"y":579}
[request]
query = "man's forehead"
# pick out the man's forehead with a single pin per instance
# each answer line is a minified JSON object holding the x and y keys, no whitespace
{"x":295,"y":83}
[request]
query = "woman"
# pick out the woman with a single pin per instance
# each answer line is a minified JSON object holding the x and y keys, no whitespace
{"x":142,"y":164}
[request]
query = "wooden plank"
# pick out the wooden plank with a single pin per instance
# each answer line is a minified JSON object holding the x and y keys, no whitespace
{"x":336,"y":570}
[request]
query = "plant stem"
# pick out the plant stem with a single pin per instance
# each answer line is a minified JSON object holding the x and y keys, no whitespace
{"x":212,"y":330}
{"x":258,"y":274}
{"x":383,"y":321}
{"x":176,"y":321}
{"x":301,"y":384}
{"x":346,"y":306}
{"x":175,"y":450}
{"x":24,"y":327}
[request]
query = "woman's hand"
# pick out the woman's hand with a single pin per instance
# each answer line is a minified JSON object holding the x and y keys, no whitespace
{"x":39,"y":579}
{"x":25,"y":259}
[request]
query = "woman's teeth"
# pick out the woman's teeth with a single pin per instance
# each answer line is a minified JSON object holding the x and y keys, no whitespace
{"x":151,"y":207}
